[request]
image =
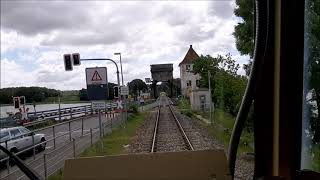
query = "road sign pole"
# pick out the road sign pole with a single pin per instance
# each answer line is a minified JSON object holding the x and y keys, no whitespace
{"x":100,"y":129}
{"x":125,"y":107}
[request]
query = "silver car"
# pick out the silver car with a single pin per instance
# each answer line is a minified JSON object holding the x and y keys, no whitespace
{"x":16,"y":139}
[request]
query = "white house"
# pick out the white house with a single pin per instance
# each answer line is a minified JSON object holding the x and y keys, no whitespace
{"x":189,"y":81}
{"x":199,"y":97}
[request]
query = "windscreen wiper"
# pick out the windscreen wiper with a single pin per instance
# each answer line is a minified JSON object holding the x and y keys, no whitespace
{"x":23,"y":167}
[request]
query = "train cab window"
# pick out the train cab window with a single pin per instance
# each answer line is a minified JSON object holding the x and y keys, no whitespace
{"x":310,"y":152}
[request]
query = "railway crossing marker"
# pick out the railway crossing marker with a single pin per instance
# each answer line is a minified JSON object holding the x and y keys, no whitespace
{"x":119,"y":105}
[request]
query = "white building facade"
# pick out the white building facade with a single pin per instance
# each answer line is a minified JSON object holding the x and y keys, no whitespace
{"x":189,"y":80}
{"x":199,"y":97}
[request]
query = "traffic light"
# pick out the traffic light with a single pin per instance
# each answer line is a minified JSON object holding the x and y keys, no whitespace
{"x":76,"y":59}
{"x":116,"y":91}
{"x":68,"y":65}
{"x":22,"y":100}
{"x":16,"y":102}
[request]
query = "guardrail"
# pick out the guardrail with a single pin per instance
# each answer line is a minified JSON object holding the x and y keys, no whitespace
{"x":56,"y":114}
{"x":68,"y":150}
{"x":69,"y":112}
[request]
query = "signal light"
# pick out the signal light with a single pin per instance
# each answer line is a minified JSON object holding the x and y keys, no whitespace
{"x":68,"y":65}
{"x":76,"y":59}
{"x":116,"y":91}
{"x":16,"y":102}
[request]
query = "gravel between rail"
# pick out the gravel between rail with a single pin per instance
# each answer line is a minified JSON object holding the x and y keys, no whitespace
{"x":198,"y":135}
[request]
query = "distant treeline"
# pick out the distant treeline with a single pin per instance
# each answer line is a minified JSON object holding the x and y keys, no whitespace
{"x":32,"y":94}
{"x":43,"y":94}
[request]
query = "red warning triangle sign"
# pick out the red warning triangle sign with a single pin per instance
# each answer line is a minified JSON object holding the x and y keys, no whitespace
{"x":96,"y":76}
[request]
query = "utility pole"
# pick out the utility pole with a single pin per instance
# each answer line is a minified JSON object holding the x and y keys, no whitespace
{"x":210,"y":98}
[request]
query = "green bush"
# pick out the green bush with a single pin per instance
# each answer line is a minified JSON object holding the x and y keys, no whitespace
{"x":133,"y":108}
{"x":189,"y":113}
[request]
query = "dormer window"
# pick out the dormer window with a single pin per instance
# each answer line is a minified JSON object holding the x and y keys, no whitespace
{"x":188,"y":67}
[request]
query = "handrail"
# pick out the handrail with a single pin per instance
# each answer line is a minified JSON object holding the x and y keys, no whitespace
{"x":50,"y":110}
{"x":28,"y":172}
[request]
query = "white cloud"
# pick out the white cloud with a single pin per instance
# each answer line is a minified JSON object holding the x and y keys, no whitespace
{"x":13,"y":74}
{"x":144,"y":32}
{"x":13,"y":41}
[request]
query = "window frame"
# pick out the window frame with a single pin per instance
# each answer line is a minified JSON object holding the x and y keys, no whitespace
{"x":189,"y":83}
{"x":188,"y":67}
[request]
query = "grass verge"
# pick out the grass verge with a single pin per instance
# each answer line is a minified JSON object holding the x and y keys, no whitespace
{"x":315,"y":155}
{"x":222,"y":127}
{"x":113,"y":143}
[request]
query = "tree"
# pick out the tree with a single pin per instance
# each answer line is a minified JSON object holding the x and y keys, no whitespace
{"x":244,"y":31}
{"x":83,"y":95}
{"x":32,"y":94}
{"x":227,"y":86}
{"x":137,"y":85}
{"x":313,"y":61}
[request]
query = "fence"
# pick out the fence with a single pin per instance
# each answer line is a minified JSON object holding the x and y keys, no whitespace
{"x":68,"y":112}
{"x":76,"y":139}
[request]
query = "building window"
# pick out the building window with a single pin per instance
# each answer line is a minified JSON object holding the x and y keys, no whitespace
{"x":189,"y":83}
{"x":188,"y":67}
{"x":198,"y":83}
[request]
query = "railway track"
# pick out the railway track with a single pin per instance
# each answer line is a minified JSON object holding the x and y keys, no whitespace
{"x":168,"y":133}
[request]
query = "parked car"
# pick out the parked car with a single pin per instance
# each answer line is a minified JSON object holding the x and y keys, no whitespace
{"x":18,"y":139}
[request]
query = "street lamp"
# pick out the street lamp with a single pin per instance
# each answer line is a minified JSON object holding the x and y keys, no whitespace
{"x":120,"y":67}
{"x":124,"y":97}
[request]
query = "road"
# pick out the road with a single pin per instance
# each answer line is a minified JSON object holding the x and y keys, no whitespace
{"x":55,"y":156}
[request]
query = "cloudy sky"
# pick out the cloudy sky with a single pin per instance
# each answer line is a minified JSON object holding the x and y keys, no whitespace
{"x":35,"y":35}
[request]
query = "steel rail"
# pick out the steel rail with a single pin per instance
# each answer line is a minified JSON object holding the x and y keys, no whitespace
{"x":185,"y":137}
{"x":155,"y":131}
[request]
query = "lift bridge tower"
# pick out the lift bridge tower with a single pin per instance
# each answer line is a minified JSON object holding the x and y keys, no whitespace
{"x":161,"y":73}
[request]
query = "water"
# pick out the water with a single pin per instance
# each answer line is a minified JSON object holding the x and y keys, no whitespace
{"x":40,"y":107}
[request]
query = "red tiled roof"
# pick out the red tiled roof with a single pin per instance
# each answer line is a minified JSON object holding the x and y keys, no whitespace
{"x":190,"y":56}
